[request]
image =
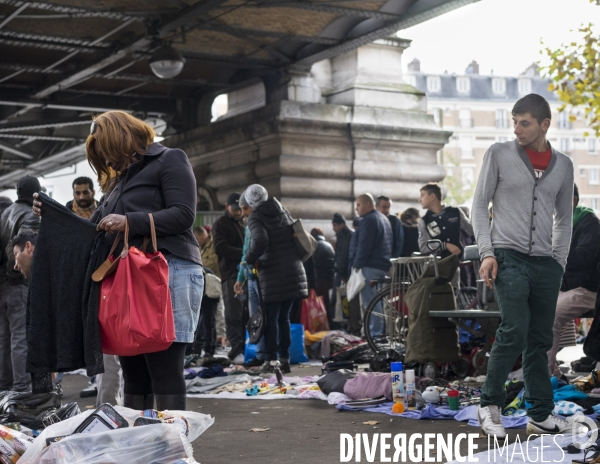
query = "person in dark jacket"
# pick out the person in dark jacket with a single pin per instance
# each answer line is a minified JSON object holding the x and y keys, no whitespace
{"x":383,"y":204}
{"x":581,"y":279}
{"x":151,"y":178}
{"x":228,"y":241}
{"x":280,"y":273}
{"x":342,"y":268}
{"x":83,"y":203}
{"x":373,"y":253}
{"x":324,"y":259}
{"x":410,"y":223}
{"x":13,"y":289}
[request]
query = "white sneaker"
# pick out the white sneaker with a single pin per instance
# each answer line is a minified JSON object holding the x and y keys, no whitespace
{"x":552,"y":425}
{"x":239,"y":359}
{"x":490,"y":420}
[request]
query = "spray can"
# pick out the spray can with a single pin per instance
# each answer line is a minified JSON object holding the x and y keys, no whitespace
{"x":411,"y":399}
{"x":397,"y":383}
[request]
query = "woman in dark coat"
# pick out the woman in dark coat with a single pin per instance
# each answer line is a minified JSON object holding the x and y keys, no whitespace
{"x":280,"y":272}
{"x":158,"y":180}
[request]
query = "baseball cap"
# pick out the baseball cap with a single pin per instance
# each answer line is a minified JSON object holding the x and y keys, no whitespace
{"x":27,"y":186}
{"x":233,"y":200}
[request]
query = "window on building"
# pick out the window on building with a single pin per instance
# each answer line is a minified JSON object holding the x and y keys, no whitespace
{"x":449,"y":171}
{"x":464,"y":115}
{"x":467,"y":177}
{"x":594,"y":204}
{"x":593,"y":176}
{"x":501,"y":119}
{"x":466,"y":147}
{"x":564,"y":145}
{"x":438,"y":116}
{"x":592,"y":145}
{"x":582,"y":172}
{"x":448,"y":112}
{"x":499,"y":86}
{"x":563,"y":120}
{"x":434,"y":83}
{"x":524,"y":86}
{"x":463,"y":84}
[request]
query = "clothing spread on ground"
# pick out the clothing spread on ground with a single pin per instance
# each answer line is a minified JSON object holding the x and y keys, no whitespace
{"x":539,"y":160}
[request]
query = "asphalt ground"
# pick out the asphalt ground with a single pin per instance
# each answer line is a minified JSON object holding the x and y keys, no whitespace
{"x":304,"y":431}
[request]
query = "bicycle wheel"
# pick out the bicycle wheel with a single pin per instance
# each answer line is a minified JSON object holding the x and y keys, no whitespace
{"x":383,"y":316}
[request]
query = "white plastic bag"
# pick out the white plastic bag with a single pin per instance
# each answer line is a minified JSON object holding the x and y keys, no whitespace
{"x":356,"y":282}
{"x":339,"y":304}
{"x":159,"y":443}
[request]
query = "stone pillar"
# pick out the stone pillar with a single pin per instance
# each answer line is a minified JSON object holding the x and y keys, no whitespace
{"x":349,"y":126}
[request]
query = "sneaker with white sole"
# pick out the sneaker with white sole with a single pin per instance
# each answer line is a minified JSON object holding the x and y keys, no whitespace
{"x":239,"y":359}
{"x":552,"y":425}
{"x":490,"y":419}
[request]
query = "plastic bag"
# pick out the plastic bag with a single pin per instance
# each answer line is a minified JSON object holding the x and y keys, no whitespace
{"x":356,"y":283}
{"x":297,"y":354}
{"x":342,"y":307}
{"x":149,"y":444}
{"x":30,"y":409}
{"x":312,"y":314}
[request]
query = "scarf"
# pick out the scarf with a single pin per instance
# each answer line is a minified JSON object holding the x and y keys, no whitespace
{"x":580,"y":212}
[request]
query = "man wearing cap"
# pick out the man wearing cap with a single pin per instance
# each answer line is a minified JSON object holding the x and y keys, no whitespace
{"x":228,"y":240}
{"x":13,"y":289}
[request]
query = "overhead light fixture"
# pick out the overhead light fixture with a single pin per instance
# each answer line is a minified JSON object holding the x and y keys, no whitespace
{"x":166,"y":62}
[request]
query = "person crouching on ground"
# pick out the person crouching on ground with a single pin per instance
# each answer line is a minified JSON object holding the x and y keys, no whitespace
{"x":157,"y":179}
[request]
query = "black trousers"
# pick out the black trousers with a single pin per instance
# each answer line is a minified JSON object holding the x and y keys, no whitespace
{"x":235,"y":318}
{"x":208,"y":321}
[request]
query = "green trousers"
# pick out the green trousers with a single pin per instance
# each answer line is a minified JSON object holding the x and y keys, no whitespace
{"x":526,"y":290}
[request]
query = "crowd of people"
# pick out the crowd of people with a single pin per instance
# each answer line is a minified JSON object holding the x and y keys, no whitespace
{"x":542,"y":264}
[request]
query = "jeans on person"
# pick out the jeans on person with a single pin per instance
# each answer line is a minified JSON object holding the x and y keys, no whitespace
{"x":110,"y":383}
{"x":235,"y":318}
{"x":278,"y":328}
{"x":570,"y":305}
{"x":13,"y":338}
{"x":186,"y":282}
{"x":253,"y":306}
{"x":376,"y":324}
{"x":526,"y":289}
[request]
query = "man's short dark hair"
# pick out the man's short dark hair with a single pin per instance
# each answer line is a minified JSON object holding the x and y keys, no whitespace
{"x":82,"y":181}
{"x":21,"y":239}
{"x":381,"y":198}
{"x":534,"y":104}
{"x":575,"y":191}
{"x":433,"y":187}
{"x":200,"y":230}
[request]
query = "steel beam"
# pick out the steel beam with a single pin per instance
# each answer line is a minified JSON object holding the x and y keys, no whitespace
{"x":14,"y":151}
{"x":14,"y":14}
{"x":326,"y":8}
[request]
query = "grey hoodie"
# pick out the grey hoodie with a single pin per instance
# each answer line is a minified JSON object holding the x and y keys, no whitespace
{"x":523,"y":208}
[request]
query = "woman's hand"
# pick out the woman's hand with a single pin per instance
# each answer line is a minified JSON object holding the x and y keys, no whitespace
{"x":37,"y":205}
{"x":112,"y":223}
{"x":238,"y":288}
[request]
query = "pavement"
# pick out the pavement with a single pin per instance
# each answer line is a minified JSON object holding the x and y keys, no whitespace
{"x":306,"y":431}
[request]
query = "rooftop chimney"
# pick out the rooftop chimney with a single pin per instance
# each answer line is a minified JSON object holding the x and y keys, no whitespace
{"x":473,"y":68}
{"x":532,"y":70}
{"x":414,"y":66}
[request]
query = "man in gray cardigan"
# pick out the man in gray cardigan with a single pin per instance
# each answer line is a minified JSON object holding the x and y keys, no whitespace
{"x":524,"y":252}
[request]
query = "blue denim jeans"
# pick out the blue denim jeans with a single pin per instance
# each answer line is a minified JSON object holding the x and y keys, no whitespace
{"x":13,"y":338}
{"x":376,"y":324}
{"x":253,"y":305}
{"x":186,"y":283}
{"x":278,"y":329}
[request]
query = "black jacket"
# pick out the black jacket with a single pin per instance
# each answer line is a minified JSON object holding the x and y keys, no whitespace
{"x":411,"y":239}
{"x":16,"y":216}
{"x":342,"y":253}
{"x":162,"y":183}
{"x":584,"y":256}
{"x":273,"y":252}
{"x":228,"y":242}
{"x":324,"y":258}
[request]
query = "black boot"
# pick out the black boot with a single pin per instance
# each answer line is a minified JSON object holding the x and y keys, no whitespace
{"x":138,"y":402}
{"x":171,"y":402}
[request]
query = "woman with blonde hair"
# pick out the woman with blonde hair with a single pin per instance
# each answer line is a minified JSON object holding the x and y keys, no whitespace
{"x":150,"y":178}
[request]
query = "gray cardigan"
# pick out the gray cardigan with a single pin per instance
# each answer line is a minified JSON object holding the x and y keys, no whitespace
{"x":523,"y":208}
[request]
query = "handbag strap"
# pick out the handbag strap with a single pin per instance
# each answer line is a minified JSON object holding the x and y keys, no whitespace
{"x":152,"y":233}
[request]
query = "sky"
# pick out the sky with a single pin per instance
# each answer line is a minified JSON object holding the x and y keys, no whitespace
{"x":501,"y":35}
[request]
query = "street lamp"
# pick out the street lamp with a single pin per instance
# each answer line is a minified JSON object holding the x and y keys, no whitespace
{"x":166,"y":62}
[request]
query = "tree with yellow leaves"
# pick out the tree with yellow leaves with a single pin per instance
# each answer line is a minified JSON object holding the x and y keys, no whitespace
{"x":575,"y":75}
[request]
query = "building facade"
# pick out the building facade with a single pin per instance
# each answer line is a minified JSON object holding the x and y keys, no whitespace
{"x":477,"y":109}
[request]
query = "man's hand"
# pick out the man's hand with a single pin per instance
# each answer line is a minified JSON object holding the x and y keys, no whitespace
{"x":453,"y":249}
{"x":238,"y":288}
{"x":489,"y":266}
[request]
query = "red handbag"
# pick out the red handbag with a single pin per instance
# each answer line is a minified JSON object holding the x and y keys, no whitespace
{"x":135,"y":311}
{"x":313,"y":315}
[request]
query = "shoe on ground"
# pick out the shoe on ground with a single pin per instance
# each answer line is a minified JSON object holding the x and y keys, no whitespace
{"x":254,"y":363}
{"x":239,"y":359}
{"x":267,"y":368}
{"x":552,"y":425}
{"x":89,"y":392}
{"x":207,"y":360}
{"x":490,"y":419}
{"x":190,"y":360}
{"x":285,"y":368}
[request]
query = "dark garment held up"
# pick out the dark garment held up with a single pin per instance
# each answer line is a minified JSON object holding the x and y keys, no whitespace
{"x":411,"y":239}
{"x":62,"y":318}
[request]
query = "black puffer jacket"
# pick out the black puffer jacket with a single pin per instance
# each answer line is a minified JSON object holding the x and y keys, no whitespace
{"x":273,"y":252}
{"x":584,"y":256}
